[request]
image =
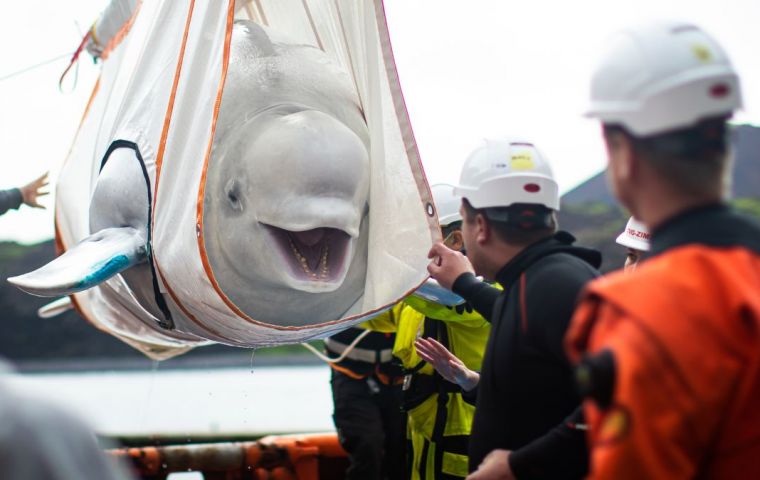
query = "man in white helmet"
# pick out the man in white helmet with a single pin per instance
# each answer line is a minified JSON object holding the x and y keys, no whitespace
{"x":526,"y":389}
{"x":670,"y":354}
{"x":635,"y":238}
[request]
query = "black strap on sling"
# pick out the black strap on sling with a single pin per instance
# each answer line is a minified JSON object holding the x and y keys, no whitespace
{"x":167,"y":322}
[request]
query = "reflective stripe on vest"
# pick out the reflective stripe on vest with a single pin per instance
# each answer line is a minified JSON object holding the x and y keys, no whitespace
{"x":359,"y":354}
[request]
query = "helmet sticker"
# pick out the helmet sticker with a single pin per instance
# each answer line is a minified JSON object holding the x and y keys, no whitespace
{"x":702,"y":52}
{"x":522,"y":161}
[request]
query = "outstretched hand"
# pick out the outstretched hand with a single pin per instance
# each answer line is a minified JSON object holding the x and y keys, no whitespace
{"x":494,"y":467}
{"x":33,"y":190}
{"x":446,"y":363}
{"x":447,"y":265}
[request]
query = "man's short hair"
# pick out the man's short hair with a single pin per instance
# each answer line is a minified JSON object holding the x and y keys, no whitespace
{"x":520,"y":224}
{"x":694,"y":160}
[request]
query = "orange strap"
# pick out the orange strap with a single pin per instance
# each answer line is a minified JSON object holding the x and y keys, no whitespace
{"x":384,"y":379}
{"x":346,"y":371}
{"x":387,"y":379}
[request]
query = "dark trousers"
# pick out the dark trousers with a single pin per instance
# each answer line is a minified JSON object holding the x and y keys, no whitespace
{"x":371,"y":427}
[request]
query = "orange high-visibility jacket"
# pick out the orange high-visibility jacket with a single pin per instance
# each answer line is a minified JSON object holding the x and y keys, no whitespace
{"x":682,"y":395}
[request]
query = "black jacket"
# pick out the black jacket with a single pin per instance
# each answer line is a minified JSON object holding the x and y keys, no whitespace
{"x":527,"y":399}
{"x":10,"y":199}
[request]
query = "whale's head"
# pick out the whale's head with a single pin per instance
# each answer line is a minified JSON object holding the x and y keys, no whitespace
{"x":286,"y":200}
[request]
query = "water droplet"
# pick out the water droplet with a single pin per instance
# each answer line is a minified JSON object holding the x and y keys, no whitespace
{"x":146,"y":407}
{"x":253,"y":353}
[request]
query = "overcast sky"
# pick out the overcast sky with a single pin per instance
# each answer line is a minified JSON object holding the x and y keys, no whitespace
{"x":492,"y":68}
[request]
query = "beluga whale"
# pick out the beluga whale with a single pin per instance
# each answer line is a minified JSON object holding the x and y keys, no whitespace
{"x":286,"y":196}
{"x":228,"y":177}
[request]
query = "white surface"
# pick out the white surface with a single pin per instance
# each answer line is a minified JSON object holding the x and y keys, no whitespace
{"x":193,"y":402}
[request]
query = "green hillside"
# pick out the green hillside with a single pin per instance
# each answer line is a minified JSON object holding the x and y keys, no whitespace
{"x":590,"y":212}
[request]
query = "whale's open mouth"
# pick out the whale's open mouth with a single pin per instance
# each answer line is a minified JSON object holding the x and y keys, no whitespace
{"x":316,"y":259}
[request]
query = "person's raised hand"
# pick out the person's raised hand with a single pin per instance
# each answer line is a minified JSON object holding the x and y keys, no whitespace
{"x":494,"y":467}
{"x":447,"y":265}
{"x":33,"y":190}
{"x":446,"y":363}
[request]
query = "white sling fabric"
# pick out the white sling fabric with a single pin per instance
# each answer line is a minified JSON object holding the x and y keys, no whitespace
{"x":162,"y":82}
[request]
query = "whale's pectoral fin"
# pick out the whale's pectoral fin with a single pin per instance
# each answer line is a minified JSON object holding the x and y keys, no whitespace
{"x":432,"y":291}
{"x":55,"y":308}
{"x":92,"y":261}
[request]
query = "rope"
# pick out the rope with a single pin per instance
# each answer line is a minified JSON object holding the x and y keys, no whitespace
{"x":74,"y":59}
{"x":343,"y":355}
{"x":32,"y":67}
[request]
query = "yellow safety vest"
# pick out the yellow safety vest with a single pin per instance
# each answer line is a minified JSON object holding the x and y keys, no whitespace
{"x":467,"y":335}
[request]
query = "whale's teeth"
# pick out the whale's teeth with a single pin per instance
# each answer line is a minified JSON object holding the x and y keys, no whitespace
{"x":301,"y":259}
{"x":324,"y":270}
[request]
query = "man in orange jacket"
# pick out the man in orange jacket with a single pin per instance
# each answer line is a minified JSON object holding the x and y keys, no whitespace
{"x":669,"y":355}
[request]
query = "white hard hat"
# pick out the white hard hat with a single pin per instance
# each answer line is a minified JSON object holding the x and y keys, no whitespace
{"x":634,"y":236}
{"x":446,"y":203}
{"x":663,"y":76}
{"x":505,"y":171}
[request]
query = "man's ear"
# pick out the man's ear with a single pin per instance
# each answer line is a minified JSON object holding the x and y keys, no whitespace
{"x":482,"y":229}
{"x":456,"y":241}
